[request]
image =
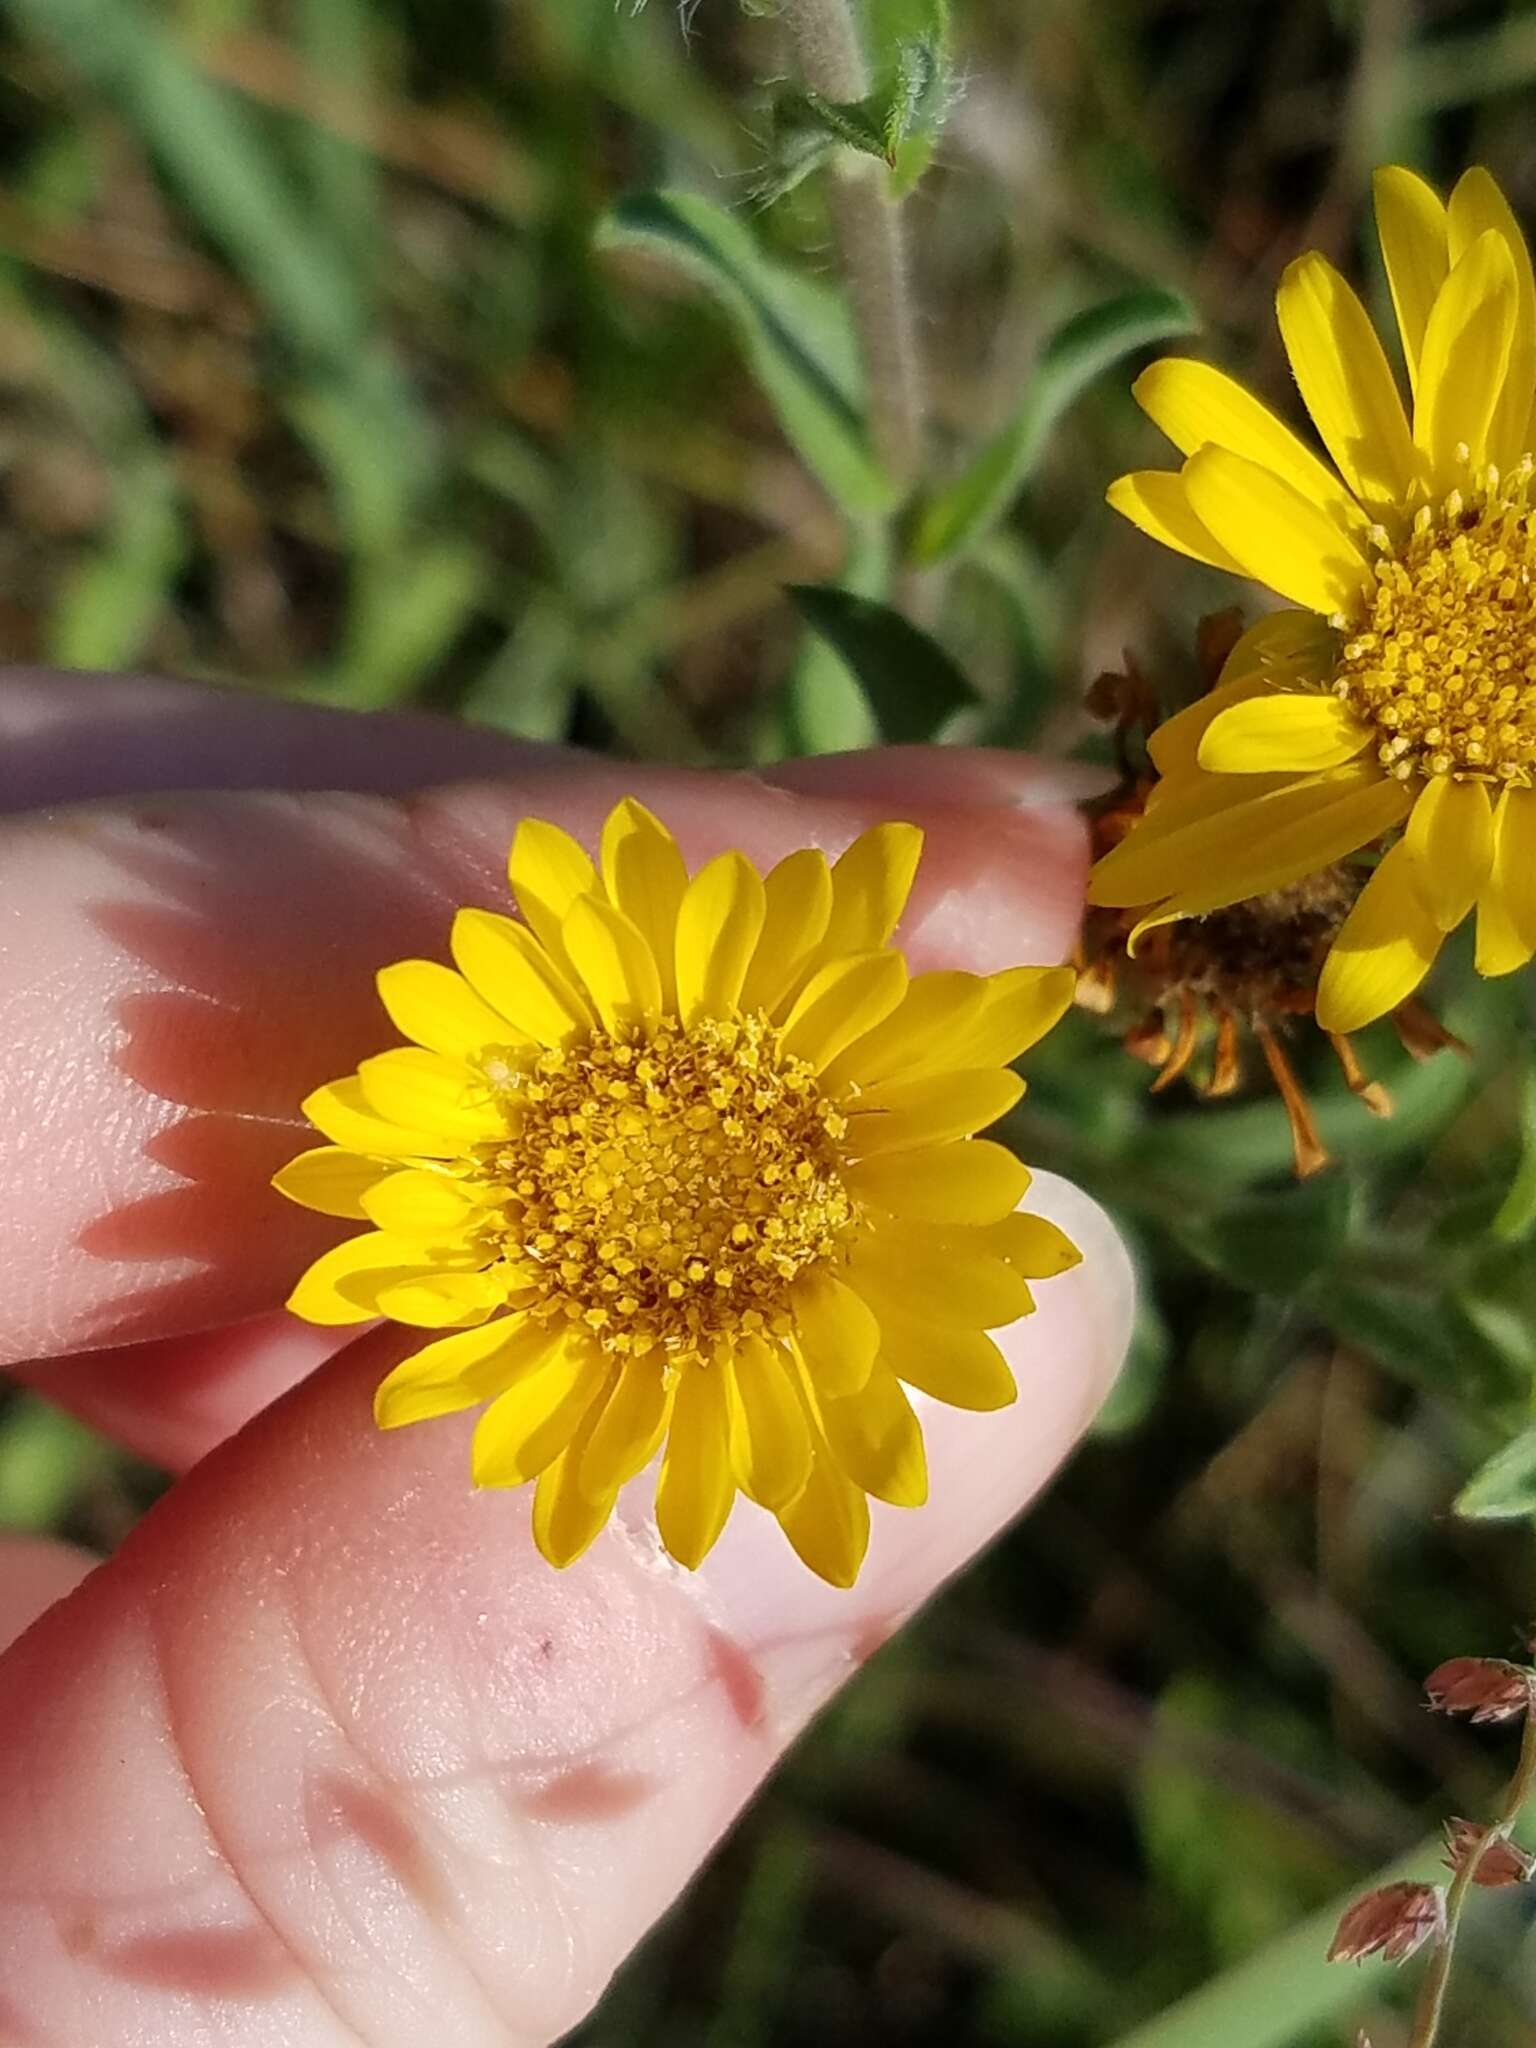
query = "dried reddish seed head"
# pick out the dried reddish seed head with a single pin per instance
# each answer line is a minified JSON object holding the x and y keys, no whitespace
{"x":1395,"y":1921}
{"x":1501,"y":1863}
{"x":1487,"y":1688}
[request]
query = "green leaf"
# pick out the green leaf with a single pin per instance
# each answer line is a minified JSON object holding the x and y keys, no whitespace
{"x":1504,"y":1490}
{"x":856,"y":124}
{"x":911,"y":683}
{"x":110,"y":605}
{"x":1517,"y":1213}
{"x":47,"y":1461}
{"x":404,"y":614}
{"x":1418,"y":1335}
{"x":825,"y":709}
{"x":796,"y":334}
{"x":1274,"y":1243}
{"x":1087,"y":345}
{"x":211,"y":151}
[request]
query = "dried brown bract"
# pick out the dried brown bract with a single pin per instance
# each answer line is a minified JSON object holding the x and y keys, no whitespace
{"x":1394,"y":1921}
{"x":1486,"y":1688}
{"x":1497,"y":1862}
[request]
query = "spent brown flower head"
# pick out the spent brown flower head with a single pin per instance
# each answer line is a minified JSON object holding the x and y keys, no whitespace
{"x":1191,"y":997}
{"x":1502,"y":1862}
{"x":1394,"y":1921}
{"x":1486,"y":1688}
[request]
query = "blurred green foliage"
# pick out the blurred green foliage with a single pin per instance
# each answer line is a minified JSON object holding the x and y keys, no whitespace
{"x":375,"y":351}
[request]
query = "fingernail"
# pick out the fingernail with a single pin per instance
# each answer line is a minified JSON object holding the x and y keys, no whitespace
{"x":993,"y":777}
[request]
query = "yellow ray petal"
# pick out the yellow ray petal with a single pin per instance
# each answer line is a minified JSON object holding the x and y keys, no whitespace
{"x":341,"y":1113}
{"x":626,"y":1434}
{"x":1033,"y":1246}
{"x":1478,"y":205}
{"x":442,"y":1301}
{"x":331,"y":1180}
{"x":719,"y":922}
{"x":937,"y":1277}
{"x":548,"y":870}
{"x":462,"y":1370}
{"x":439,"y":1009}
{"x":528,"y":1426}
{"x":1506,"y":913}
{"x":1465,"y":360}
{"x":827,"y":1523}
{"x":1361,"y":813}
{"x":506,"y":964}
{"x":695,"y":1488}
{"x":1156,"y":500}
{"x":840,"y":1002}
{"x":1346,"y":384}
{"x":1196,"y":405}
{"x":1450,"y":838}
{"x":1280,"y":537}
{"x":421,"y":1090}
{"x":871,"y":882}
{"x":972,"y":1181}
{"x":929,"y":1110}
{"x":615,"y":965}
{"x":1410,"y":220}
{"x":1247,"y":848}
{"x":835,"y":1330}
{"x":916,"y":1037}
{"x":644,"y":875}
{"x":797,"y":904}
{"x":877,"y":1440}
{"x":769,"y":1437}
{"x":567,"y":1519}
{"x":1283,"y":643}
{"x":1387,"y":946}
{"x":961,"y":1367}
{"x":343,"y":1284}
{"x":1019,"y":1006}
{"x":420,"y":1203}
{"x":1174,"y":746}
{"x":1152,"y":858}
{"x":1297,"y":730}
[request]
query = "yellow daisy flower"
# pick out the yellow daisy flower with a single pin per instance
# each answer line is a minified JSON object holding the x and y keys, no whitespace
{"x":688,"y":1164}
{"x":1400,"y":698}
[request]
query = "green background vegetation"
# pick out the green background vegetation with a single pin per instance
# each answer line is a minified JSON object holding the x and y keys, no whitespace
{"x":327,"y":367}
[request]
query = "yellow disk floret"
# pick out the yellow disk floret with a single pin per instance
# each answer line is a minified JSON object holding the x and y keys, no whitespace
{"x":667,"y":1192}
{"x":1444,"y":661}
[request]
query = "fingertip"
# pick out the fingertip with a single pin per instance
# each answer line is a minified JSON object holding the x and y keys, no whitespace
{"x":998,"y":889}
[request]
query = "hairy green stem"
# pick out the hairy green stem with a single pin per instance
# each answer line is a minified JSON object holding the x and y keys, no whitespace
{"x":1431,"y":2001}
{"x":871,"y":241}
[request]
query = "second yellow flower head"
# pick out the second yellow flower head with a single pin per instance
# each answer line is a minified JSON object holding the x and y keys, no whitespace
{"x":1400,"y":692}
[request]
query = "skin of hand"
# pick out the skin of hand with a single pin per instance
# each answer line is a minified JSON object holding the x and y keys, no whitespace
{"x":326,"y":1754}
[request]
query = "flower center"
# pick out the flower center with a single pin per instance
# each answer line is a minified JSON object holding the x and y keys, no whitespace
{"x":1442,"y":659}
{"x":666,"y":1191}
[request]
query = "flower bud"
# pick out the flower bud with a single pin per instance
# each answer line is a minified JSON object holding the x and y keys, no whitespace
{"x":1487,"y":1688}
{"x":1397,"y":1920}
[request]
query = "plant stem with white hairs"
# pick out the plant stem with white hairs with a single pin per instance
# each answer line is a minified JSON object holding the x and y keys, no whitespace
{"x":871,"y":240}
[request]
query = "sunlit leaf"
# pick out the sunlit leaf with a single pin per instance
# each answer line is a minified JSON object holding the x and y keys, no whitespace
{"x":1504,"y":1490}
{"x":796,"y":335}
{"x":911,"y":684}
{"x":1079,"y":352}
